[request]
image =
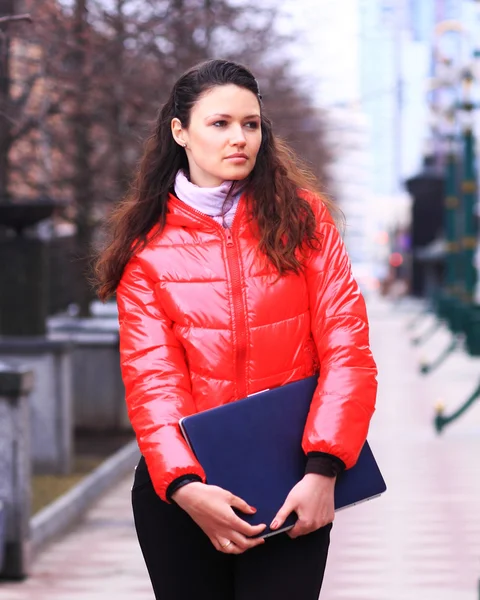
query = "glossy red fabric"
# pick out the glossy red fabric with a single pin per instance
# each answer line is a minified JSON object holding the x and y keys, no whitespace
{"x":204,"y":321}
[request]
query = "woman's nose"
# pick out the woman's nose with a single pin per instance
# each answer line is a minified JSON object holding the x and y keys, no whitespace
{"x":238,"y":137}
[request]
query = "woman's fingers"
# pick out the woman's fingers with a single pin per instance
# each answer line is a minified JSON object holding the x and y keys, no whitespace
{"x":281,"y":516}
{"x":305,"y":527}
{"x":224,"y":545}
{"x":238,"y":543}
{"x":238,"y":523}
{"x":237,"y":502}
{"x":241,"y":536}
{"x":245,"y":543}
{"x":245,"y":528}
{"x":300,"y":528}
{"x":231,"y":548}
{"x":237,"y":535}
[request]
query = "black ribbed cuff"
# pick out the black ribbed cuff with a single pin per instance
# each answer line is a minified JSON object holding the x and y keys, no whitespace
{"x":180,"y":482}
{"x":325,"y":464}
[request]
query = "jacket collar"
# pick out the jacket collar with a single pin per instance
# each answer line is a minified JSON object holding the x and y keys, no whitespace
{"x":181,"y":215}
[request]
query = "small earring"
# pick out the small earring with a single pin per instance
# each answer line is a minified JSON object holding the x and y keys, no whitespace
{"x":184,"y":144}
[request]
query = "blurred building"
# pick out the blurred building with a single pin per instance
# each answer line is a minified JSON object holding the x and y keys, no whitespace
{"x":393,"y":67}
{"x":348,"y":139}
{"x":370,"y":62}
{"x":395,"y":61}
{"x":396,"y":41}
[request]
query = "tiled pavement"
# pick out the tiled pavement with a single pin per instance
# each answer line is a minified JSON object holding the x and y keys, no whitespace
{"x":421,"y":541}
{"x":99,"y":560}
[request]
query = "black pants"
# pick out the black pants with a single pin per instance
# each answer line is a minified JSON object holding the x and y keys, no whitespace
{"x":184,"y":565}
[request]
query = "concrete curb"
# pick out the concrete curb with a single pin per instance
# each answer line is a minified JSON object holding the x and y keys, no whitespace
{"x":58,"y":517}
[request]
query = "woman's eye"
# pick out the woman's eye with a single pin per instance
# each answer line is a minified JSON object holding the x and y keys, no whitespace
{"x":219,"y":123}
{"x":252,"y":125}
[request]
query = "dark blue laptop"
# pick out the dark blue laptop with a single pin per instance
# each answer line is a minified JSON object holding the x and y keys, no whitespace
{"x":253,"y":449}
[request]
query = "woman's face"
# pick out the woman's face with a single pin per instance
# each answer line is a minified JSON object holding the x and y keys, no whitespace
{"x":223,"y":137}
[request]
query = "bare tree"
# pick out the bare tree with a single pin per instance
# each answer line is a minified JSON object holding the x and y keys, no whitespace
{"x":80,"y":125}
{"x":15,"y":18}
{"x":24,"y":107}
{"x":296,"y":119}
{"x":106,"y":68}
{"x":8,"y":16}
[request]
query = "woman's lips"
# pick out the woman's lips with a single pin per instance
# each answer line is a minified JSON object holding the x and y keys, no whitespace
{"x":237,"y":158}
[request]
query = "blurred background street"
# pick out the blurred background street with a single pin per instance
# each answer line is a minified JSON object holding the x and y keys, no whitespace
{"x":381,"y":98}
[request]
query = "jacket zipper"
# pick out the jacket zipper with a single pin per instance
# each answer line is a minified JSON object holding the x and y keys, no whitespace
{"x":239,"y":318}
{"x":240,"y":328}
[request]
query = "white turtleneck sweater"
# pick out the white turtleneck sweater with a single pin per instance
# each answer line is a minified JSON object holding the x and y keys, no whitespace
{"x":210,"y":200}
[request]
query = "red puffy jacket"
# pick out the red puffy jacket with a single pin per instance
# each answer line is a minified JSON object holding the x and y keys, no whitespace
{"x":204,"y":321}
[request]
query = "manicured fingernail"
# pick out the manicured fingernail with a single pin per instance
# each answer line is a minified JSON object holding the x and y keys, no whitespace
{"x":274,"y":524}
{"x":253,"y":509}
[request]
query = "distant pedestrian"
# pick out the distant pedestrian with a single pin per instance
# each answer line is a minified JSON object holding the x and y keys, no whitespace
{"x":231,"y":277}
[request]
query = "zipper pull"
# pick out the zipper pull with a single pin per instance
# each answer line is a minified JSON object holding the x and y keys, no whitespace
{"x":229,"y":237}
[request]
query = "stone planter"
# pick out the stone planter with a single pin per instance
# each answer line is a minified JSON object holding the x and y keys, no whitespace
{"x":98,"y":390}
{"x":51,"y":403}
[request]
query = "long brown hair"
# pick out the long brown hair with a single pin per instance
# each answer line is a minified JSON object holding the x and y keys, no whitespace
{"x":285,"y":221}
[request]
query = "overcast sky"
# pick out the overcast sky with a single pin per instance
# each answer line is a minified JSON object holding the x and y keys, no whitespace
{"x":327,"y":51}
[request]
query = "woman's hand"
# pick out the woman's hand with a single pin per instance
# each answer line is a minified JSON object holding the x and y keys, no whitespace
{"x":211,"y":508}
{"x":313,"y":501}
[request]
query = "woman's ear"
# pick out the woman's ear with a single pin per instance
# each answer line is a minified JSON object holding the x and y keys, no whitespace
{"x":178,"y":132}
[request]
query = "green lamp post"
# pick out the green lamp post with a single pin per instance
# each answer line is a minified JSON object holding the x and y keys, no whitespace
{"x":451,"y":217}
{"x":460,"y":220}
{"x":469,"y":194}
{"x":469,"y":239}
{"x":452,"y":220}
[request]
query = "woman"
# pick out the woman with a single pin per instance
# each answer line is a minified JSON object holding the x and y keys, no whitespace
{"x":231,"y":277}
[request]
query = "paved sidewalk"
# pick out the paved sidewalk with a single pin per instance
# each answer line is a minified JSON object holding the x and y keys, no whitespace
{"x":100,"y":559}
{"x":421,"y":541}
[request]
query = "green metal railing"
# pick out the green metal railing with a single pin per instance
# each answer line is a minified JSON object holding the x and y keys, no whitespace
{"x":455,"y":303}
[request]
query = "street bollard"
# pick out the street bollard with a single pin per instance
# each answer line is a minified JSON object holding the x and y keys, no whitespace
{"x":16,"y":384}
